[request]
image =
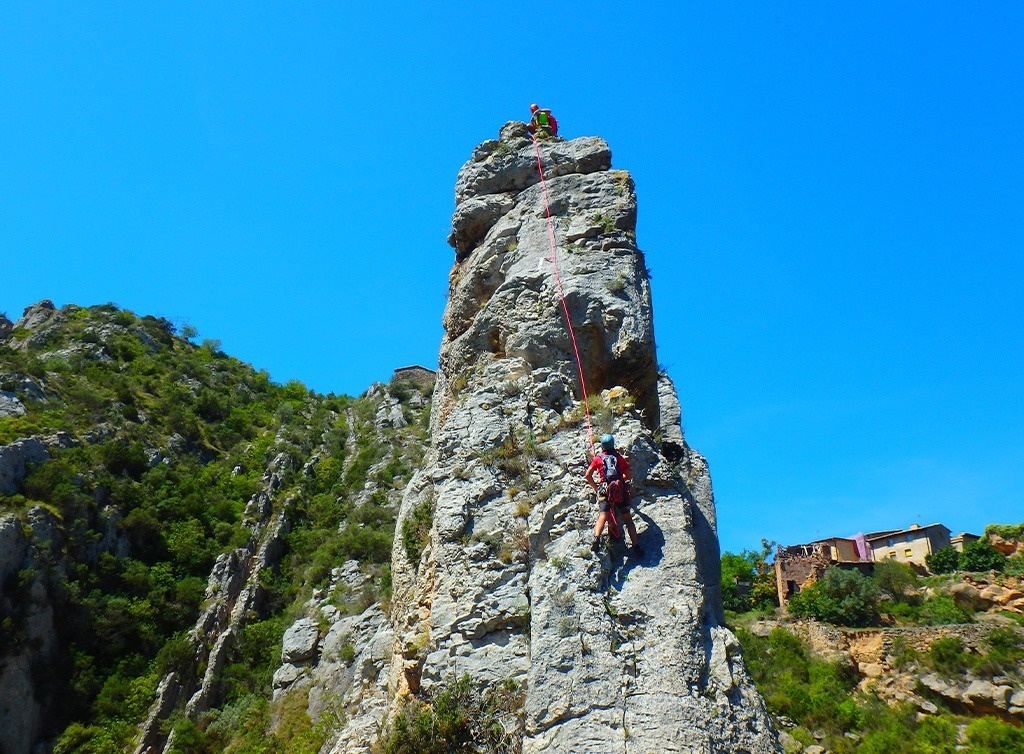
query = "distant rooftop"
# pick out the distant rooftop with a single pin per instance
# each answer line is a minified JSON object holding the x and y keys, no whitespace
{"x":908,"y":530}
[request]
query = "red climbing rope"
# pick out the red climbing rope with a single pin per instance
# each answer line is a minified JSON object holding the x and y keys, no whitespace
{"x":561,"y":294}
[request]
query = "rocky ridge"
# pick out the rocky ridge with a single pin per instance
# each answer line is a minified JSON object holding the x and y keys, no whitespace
{"x":493,"y":576}
{"x":140,"y":466}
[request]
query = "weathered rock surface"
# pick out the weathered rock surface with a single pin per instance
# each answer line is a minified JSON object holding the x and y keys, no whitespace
{"x":15,"y":461}
{"x":10,"y":405}
{"x":1009,"y":546}
{"x":614,"y":651}
{"x":24,"y":595}
{"x":299,"y":643}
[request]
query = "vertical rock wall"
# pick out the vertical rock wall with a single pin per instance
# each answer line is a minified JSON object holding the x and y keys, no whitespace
{"x":493,"y":574}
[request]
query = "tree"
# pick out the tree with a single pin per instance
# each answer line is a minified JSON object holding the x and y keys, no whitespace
{"x":895,"y":580}
{"x":945,"y":560}
{"x":754,"y":569}
{"x":981,"y":556}
{"x":736,"y":568}
{"x":840,"y":597}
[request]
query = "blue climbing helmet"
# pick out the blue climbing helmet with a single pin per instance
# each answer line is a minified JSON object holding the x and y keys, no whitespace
{"x":607,"y":442}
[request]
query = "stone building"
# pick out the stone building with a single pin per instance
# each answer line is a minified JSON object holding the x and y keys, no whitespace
{"x":799,"y":566}
{"x":961,"y":539}
{"x":910,"y":545}
{"x":415,"y":373}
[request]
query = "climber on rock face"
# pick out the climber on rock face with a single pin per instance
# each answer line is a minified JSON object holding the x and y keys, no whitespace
{"x":542,"y":122}
{"x":609,"y":475}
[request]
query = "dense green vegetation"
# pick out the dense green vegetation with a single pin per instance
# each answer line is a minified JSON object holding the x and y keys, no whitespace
{"x":976,"y":556}
{"x":166,"y":442}
{"x":821,"y":700}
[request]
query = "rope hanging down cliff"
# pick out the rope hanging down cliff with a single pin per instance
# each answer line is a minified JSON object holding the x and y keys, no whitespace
{"x":561,"y":293}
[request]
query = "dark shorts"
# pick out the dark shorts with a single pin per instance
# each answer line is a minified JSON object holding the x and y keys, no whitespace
{"x":603,"y":505}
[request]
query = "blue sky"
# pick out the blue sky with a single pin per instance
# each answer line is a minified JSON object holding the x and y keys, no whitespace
{"x":830,"y":202}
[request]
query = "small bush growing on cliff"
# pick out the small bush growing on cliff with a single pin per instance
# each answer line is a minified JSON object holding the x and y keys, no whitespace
{"x":896,"y":581}
{"x":416,"y":529}
{"x":987,"y":735}
{"x":942,"y":610}
{"x":1005,"y":652}
{"x":459,"y":719}
{"x":1014,"y":566}
{"x":948,"y":656}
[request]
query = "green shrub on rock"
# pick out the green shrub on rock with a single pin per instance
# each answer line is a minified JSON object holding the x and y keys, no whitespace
{"x":416,"y":529}
{"x":896,"y":581}
{"x":948,"y":656}
{"x":459,"y":718}
{"x":942,"y":610}
{"x":797,"y":684}
{"x":1014,"y":566}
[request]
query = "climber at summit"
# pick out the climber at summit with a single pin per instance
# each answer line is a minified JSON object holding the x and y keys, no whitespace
{"x":609,"y":475}
{"x":542,"y":122}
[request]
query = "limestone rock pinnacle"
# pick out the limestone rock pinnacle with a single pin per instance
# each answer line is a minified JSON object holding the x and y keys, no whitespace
{"x":493,"y":575}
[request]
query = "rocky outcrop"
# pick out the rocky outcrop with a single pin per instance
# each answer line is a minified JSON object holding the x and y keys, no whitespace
{"x":1009,"y":546}
{"x":15,"y":461}
{"x":338,"y":656}
{"x":985,"y":592}
{"x":493,"y":574}
{"x":976,"y":696}
{"x":234,"y":594}
{"x":25,"y":600}
{"x":10,"y":405}
{"x":36,"y":325}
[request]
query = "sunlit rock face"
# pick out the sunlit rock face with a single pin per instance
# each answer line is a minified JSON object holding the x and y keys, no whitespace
{"x":494,"y":577}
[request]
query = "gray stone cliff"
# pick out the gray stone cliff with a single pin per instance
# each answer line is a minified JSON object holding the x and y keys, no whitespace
{"x":612,"y":652}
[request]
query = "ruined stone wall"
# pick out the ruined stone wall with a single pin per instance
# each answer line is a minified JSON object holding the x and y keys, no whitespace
{"x":798,"y":567}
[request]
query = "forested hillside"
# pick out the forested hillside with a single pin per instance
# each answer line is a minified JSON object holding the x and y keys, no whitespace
{"x":132,"y":462}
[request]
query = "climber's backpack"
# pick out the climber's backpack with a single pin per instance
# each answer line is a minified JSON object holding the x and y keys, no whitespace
{"x":615,"y":491}
{"x":545,"y":120}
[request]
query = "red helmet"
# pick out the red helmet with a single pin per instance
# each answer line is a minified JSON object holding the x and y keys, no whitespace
{"x":534,"y":108}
